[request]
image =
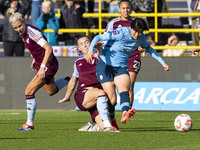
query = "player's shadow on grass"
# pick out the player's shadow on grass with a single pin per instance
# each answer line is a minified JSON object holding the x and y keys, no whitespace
{"x":153,"y":129}
{"x":146,"y":129}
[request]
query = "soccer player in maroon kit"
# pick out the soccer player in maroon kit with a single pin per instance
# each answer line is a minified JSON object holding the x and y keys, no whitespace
{"x":89,"y":95}
{"x":44,"y":62}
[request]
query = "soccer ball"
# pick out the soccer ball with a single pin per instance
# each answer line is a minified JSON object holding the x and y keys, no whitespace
{"x":183,"y":123}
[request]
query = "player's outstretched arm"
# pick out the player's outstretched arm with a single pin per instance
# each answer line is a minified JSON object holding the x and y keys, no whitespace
{"x":70,"y":89}
{"x":156,"y":56}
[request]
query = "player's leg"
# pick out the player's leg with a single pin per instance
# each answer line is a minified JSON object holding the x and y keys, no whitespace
{"x":51,"y":88}
{"x":60,"y":83}
{"x":30,"y":91}
{"x":134,"y":65}
{"x":98,"y":127}
{"x":122,"y":83}
{"x":133,"y":77}
{"x":105,"y":75}
{"x":97,"y":97}
{"x":109,"y":88}
{"x":54,"y":86}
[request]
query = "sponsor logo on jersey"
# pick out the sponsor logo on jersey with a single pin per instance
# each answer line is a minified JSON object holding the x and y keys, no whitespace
{"x":127,"y":48}
{"x":36,"y":37}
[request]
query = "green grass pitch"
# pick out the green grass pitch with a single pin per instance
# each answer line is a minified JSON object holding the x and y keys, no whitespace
{"x":57,"y":130}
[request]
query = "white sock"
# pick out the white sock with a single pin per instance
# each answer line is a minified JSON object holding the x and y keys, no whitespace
{"x":31,"y":109}
{"x":60,"y":83}
{"x":29,"y":122}
{"x":102,"y":107}
{"x":106,"y":123}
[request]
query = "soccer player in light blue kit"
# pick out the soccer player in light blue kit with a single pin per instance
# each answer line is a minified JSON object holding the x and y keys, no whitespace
{"x":112,"y":67}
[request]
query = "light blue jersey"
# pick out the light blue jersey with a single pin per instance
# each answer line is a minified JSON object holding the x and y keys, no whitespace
{"x":118,"y":54}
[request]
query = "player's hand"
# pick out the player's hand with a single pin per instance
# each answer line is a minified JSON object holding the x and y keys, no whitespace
{"x":140,"y":49}
{"x":41,"y":73}
{"x":63,"y":100}
{"x":165,"y":66}
{"x":33,"y":65}
{"x":88,"y":56}
{"x":194,"y":51}
{"x":98,"y":45}
{"x":99,"y":48}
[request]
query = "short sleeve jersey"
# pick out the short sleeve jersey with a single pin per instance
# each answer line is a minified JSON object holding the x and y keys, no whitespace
{"x":86,"y":72}
{"x":34,"y":40}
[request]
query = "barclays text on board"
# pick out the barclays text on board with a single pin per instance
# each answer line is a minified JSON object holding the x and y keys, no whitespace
{"x":176,"y":96}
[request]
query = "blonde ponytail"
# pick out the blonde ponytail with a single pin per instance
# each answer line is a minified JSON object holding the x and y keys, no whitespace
{"x":14,"y":16}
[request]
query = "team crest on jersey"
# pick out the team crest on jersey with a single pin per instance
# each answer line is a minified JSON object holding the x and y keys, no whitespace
{"x":115,"y":32}
{"x":101,"y":77}
{"x":27,"y":41}
{"x":138,"y":44}
{"x":36,"y":37}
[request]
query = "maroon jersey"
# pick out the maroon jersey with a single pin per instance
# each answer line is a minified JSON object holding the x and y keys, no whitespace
{"x":134,"y":61}
{"x":34,"y":40}
{"x":118,"y":23}
{"x":86,"y":72}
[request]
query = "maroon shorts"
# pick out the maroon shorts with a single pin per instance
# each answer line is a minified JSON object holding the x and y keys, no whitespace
{"x":79,"y":97}
{"x":52,"y":68}
{"x":134,"y":62}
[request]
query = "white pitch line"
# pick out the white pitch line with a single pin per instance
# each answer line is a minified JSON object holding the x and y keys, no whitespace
{"x":9,"y":113}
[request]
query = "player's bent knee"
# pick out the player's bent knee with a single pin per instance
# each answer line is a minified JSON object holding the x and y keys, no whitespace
{"x":113,"y":101}
{"x":51,"y":93}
